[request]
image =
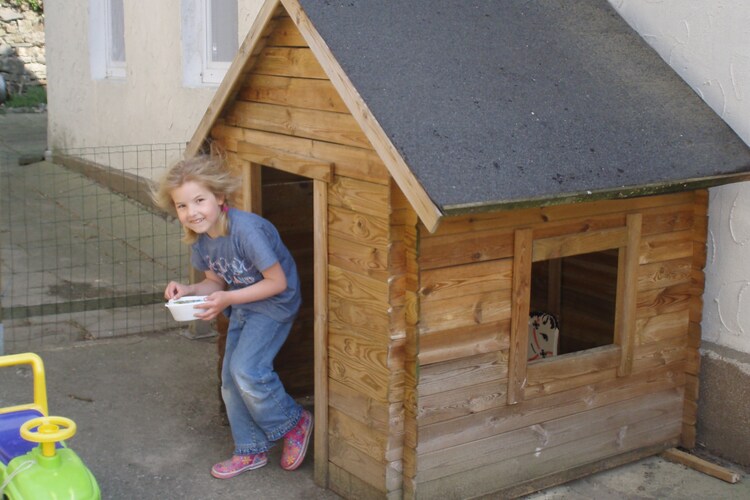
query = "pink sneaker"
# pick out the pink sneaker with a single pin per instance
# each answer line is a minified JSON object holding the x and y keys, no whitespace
{"x":239,"y":464}
{"x":296,"y":441}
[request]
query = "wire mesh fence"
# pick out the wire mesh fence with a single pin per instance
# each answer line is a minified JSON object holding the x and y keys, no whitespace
{"x":84,"y":253}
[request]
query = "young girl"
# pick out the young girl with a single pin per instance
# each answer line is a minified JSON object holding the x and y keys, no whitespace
{"x":250,"y":275}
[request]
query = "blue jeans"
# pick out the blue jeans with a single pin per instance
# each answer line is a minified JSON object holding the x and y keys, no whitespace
{"x":259,"y":409}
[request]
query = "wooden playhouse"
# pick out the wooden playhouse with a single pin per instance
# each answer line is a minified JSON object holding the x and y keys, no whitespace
{"x":443,"y":170}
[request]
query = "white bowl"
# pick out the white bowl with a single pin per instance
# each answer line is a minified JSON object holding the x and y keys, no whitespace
{"x":183,"y":309}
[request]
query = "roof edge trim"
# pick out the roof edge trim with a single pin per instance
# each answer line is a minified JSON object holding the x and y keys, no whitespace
{"x":605,"y":194}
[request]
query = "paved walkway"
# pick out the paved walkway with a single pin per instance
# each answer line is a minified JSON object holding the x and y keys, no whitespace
{"x":149,"y":425}
{"x":23,"y":134}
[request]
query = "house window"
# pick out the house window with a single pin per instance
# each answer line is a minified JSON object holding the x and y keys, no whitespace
{"x":220,"y":38}
{"x":209,"y":39}
{"x":107,"y":39}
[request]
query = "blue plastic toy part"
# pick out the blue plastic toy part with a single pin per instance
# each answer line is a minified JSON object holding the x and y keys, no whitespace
{"x":12,"y":444}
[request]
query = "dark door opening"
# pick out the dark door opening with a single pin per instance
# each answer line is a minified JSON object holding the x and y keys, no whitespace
{"x":287,"y":201}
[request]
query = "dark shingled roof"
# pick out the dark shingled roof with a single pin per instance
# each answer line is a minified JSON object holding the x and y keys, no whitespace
{"x":503,"y":102}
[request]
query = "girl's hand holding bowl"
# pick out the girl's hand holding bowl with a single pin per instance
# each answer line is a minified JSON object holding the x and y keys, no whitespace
{"x":184,"y":308}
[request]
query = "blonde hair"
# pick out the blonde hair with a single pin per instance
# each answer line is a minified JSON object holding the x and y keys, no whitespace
{"x":207,"y":170}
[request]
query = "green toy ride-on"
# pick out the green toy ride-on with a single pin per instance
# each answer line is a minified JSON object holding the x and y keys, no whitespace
{"x":49,"y":470}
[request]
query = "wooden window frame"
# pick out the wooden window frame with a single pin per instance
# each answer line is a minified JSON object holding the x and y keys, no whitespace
{"x":528,"y":250}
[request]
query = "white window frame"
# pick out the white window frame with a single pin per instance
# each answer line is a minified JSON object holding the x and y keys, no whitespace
{"x":103,"y":66}
{"x":198,"y":67}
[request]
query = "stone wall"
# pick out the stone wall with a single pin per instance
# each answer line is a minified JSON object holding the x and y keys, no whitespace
{"x":22,"y":59}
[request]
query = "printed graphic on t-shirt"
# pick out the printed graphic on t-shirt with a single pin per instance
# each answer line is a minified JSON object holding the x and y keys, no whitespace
{"x":234,"y":272}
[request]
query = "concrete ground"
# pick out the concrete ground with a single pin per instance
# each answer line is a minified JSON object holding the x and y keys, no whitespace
{"x":149,"y":425}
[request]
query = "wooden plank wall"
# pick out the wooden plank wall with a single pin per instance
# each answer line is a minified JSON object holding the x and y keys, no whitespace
{"x":366,"y":337}
{"x":418,"y":341}
{"x":573,"y":410}
{"x":289,"y":112}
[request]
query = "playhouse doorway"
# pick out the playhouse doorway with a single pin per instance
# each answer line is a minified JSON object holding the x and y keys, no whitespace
{"x":296,"y":205}
{"x":287,"y":201}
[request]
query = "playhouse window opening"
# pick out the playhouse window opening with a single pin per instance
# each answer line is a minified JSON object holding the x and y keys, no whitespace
{"x":580,"y":293}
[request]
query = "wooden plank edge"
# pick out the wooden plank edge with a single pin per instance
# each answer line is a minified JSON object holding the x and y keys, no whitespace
{"x":320,"y":333}
{"x":563,"y":477}
{"x":347,"y":485}
{"x":701,"y":465}
{"x":288,"y":162}
{"x":626,"y":307}
{"x":519,"y":318}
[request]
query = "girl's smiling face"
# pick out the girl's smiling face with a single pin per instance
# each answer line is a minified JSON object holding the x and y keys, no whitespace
{"x":198,"y":208}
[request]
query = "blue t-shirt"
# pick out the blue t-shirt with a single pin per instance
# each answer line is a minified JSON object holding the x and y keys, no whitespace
{"x":252,"y":245}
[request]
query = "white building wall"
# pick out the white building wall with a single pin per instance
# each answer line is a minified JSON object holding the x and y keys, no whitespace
{"x":708,"y":44}
{"x":151,"y":105}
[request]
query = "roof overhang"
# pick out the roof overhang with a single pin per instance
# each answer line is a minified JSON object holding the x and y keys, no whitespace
{"x":590,"y":196}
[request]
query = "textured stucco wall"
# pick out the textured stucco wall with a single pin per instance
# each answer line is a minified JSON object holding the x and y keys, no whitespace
{"x":151,"y":105}
{"x":708,"y":44}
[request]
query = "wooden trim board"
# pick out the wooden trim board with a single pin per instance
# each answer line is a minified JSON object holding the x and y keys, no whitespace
{"x":320,"y":208}
{"x":288,"y":162}
{"x":704,"y":466}
{"x":521,"y":295}
{"x":625,"y":309}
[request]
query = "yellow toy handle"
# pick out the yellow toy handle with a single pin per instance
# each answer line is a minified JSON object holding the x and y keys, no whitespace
{"x":40,"y":386}
{"x":49,"y":430}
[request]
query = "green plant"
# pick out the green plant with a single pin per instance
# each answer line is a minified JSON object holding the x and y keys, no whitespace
{"x":35,"y":5}
{"x":32,"y":97}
